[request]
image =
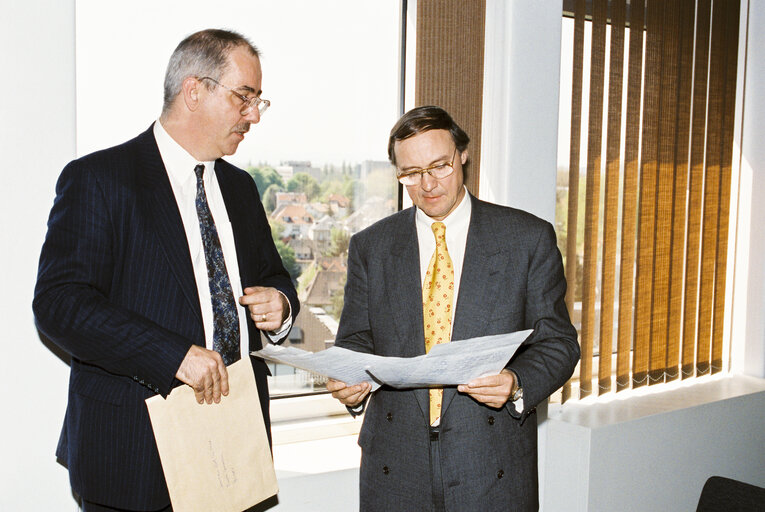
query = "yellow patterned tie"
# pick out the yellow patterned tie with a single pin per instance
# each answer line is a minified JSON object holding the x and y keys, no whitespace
{"x":437,"y":298}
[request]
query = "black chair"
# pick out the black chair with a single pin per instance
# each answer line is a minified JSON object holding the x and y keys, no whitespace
{"x":722,"y":494}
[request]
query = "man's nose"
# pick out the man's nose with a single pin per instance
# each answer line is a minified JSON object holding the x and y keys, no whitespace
{"x":427,"y":182}
{"x":253,"y":116}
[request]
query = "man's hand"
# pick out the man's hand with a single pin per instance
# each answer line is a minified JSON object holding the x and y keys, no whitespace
{"x":350,"y":396}
{"x":205,"y":372}
{"x":494,"y":390}
{"x":268,"y":308}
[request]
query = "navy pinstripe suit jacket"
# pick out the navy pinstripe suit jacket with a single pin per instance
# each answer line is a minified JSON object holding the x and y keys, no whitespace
{"x":116,"y":290}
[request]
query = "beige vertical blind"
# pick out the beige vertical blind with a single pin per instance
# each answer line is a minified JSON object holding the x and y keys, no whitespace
{"x":657,"y":193}
{"x":449,"y":68}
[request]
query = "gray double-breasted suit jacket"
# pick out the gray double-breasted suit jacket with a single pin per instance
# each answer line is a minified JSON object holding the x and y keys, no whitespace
{"x":512,"y":279}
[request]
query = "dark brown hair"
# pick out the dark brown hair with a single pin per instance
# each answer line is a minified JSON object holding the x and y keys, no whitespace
{"x":423,"y":119}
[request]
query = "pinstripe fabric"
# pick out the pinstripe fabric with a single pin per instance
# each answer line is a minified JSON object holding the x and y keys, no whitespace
{"x":116,"y":290}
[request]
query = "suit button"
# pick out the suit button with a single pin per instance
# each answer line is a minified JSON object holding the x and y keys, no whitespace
{"x":389,"y":417}
{"x":491,"y":420}
{"x":385,"y":470}
{"x":500,"y":473}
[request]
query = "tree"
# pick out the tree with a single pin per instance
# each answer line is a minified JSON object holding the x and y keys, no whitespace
{"x":337,"y":297}
{"x":269,"y":197}
{"x":265,"y":177}
{"x":277,"y":229}
{"x":287,"y":255}
{"x":340,"y":241}
{"x":305,"y":183}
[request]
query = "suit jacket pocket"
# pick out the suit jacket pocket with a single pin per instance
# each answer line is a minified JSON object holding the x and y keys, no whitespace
{"x":99,"y":386}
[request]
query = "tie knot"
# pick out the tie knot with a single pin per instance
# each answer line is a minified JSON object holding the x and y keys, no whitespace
{"x":199,"y":170}
{"x":439,"y":230}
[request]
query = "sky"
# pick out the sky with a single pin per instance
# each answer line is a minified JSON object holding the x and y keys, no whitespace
{"x":330,"y":69}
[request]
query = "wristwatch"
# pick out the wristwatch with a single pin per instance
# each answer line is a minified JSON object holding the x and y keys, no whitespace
{"x":518,"y":393}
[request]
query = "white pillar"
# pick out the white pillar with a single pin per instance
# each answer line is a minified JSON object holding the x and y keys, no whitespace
{"x":37,"y":138}
{"x":520,"y":104}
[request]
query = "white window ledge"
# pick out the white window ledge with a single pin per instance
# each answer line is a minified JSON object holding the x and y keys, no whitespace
{"x":310,"y":418}
{"x":653,"y":448}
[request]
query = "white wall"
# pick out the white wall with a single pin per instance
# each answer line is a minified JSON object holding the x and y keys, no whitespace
{"x":655,"y":452}
{"x":37,"y":139}
{"x":749,"y":291}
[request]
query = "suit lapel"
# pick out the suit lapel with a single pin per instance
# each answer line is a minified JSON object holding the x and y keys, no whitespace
{"x":479,"y":282}
{"x":402,"y":268}
{"x":161,"y":211}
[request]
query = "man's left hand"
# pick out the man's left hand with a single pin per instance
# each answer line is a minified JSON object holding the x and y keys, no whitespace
{"x":493,"y":390}
{"x":268,"y":308}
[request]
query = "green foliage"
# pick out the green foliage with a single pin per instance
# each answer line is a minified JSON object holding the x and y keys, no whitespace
{"x":287,"y":255}
{"x":269,"y":197}
{"x":307,"y":278}
{"x":265,"y":177}
{"x":340,"y":241}
{"x":277,"y":229}
{"x":303,"y":182}
{"x":338,"y":297}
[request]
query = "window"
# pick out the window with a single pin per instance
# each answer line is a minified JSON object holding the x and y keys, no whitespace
{"x":644,"y":190}
{"x":318,"y":157}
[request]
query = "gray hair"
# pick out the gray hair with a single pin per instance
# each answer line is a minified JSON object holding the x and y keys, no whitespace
{"x":203,"y":53}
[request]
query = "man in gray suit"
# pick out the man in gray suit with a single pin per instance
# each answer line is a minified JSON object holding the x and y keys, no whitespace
{"x":473,"y":447}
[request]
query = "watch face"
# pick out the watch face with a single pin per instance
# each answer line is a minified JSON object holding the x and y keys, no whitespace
{"x":518,"y":394}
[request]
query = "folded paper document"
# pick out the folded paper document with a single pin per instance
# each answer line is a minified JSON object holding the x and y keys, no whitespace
{"x":448,"y":364}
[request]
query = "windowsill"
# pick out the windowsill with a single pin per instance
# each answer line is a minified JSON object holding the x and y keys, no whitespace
{"x":310,"y":418}
{"x":634,"y":404}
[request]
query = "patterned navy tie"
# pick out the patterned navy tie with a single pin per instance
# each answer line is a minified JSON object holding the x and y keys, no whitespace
{"x":225,"y":318}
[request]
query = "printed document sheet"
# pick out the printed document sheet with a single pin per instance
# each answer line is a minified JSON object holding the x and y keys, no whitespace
{"x":448,"y":364}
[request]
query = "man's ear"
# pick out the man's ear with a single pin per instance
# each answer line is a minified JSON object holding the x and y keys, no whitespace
{"x":464,"y":156}
{"x":190,"y":90}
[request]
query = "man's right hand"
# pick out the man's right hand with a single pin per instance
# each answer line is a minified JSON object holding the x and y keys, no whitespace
{"x":205,"y":372}
{"x":350,"y":396}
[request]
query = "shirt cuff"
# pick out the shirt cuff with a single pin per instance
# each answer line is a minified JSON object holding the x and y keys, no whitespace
{"x":517,"y":405}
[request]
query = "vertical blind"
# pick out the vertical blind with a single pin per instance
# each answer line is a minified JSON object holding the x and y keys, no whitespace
{"x":449,"y":67}
{"x":656,"y":194}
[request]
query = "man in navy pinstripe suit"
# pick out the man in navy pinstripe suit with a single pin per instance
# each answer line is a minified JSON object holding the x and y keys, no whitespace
{"x":123,"y":283}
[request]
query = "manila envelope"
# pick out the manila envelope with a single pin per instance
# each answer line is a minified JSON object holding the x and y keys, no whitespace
{"x":214,"y":456}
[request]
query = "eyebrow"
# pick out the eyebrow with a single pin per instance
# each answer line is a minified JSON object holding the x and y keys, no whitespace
{"x":248,"y":89}
{"x":437,"y":160}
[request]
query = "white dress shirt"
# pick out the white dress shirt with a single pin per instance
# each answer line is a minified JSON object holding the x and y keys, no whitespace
{"x":180,"y":170}
{"x":457,"y":224}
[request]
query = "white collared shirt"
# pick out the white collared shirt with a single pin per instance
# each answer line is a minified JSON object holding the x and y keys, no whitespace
{"x":457,"y":224}
{"x":180,"y":170}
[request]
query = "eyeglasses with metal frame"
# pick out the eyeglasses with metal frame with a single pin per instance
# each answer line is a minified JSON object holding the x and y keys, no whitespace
{"x":439,"y":171}
{"x":248,"y":104}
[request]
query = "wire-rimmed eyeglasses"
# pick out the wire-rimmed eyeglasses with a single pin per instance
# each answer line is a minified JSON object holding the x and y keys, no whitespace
{"x":439,"y":171}
{"x":248,"y":104}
